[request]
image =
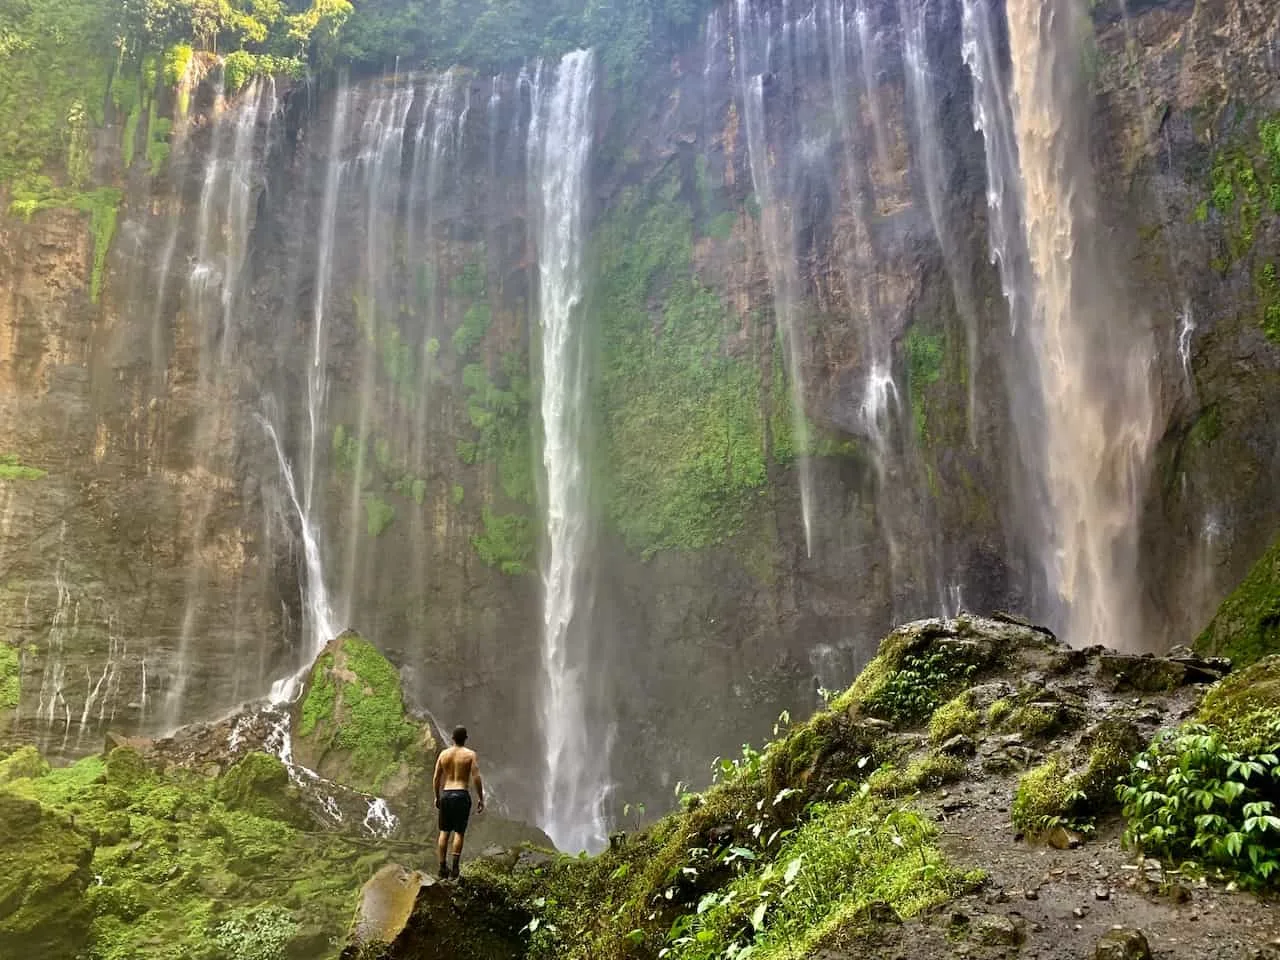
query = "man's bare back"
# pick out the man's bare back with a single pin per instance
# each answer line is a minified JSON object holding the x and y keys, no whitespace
{"x":456,"y":766}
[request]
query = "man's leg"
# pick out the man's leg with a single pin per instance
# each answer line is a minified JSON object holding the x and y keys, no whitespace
{"x":442,"y":849}
{"x":458,"y":839}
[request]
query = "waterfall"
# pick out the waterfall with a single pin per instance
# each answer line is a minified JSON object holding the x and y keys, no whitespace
{"x":213,"y":297}
{"x":779,"y":242}
{"x":560,"y":145}
{"x":931,"y":164}
{"x":1094,"y":373}
{"x":319,"y":626}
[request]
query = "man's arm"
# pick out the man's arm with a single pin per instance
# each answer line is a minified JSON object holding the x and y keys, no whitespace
{"x":438,"y":780}
{"x":475,"y":778}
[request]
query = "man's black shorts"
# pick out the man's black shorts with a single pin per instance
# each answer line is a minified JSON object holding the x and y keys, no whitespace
{"x":455,"y":811}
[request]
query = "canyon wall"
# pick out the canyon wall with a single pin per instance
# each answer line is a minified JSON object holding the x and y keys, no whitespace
{"x":312,"y":312}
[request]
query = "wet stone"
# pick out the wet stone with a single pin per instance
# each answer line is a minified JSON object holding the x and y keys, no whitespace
{"x":1122,"y":944}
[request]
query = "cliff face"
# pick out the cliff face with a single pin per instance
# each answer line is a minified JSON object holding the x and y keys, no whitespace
{"x":318,"y":319}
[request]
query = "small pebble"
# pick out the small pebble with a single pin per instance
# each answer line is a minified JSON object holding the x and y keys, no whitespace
{"x":1101,"y":893}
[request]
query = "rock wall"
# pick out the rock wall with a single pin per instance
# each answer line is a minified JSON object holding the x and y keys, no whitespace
{"x":377,"y":231}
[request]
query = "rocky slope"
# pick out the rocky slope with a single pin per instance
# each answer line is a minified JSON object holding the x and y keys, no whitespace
{"x":959,"y":801}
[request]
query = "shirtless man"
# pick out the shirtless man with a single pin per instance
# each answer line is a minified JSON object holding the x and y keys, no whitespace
{"x":456,"y":769}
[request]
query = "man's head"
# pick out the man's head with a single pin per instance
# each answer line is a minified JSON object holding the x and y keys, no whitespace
{"x":460,"y":736}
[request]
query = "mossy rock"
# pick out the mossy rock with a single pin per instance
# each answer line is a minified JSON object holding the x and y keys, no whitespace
{"x":25,"y":763}
{"x":259,"y":784}
{"x":126,"y":768}
{"x":44,"y":873}
{"x":350,"y":724}
{"x":1145,"y":674}
{"x":1231,"y":704}
{"x":1247,"y":625}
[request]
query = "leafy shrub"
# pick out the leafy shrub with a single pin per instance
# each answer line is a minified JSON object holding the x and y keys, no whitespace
{"x":255,"y":934}
{"x":1194,"y":794}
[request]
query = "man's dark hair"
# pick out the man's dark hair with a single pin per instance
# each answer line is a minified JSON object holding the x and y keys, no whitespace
{"x":460,"y":736}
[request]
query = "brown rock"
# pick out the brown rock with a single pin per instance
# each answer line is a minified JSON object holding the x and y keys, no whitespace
{"x":1122,"y":944}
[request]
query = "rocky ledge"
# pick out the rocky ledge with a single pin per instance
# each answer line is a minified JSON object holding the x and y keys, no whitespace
{"x":980,"y":791}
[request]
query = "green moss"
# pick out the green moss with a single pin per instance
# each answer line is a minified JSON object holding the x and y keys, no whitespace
{"x":1034,"y":720}
{"x":378,"y":515}
{"x":457,"y":494}
{"x":507,"y":542}
{"x":10,"y":676}
{"x":683,"y":420}
{"x":1247,"y":625}
{"x":1235,"y":701}
{"x":351,"y":723}
{"x":259,"y":784}
{"x":955,"y":716}
{"x":934,"y":770}
{"x":129,"y":145}
{"x":44,"y":873}
{"x":320,"y":698}
{"x":998,"y":711}
{"x":25,"y":763}
{"x":34,"y":194}
{"x":1043,"y":795}
{"x":500,"y":412}
{"x":925,"y":354}
{"x":346,"y":449}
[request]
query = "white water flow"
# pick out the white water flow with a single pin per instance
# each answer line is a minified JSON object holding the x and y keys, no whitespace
{"x":1093,"y":355}
{"x":319,"y":626}
{"x":929,"y":159}
{"x":752,"y":61}
{"x":560,"y":144}
{"x":212,"y":296}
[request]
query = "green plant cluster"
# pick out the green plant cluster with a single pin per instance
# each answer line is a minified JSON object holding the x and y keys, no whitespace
{"x":1195,"y":794}
{"x":915,"y":689}
{"x":34,"y":193}
{"x":925,"y":354}
{"x":506,"y":542}
{"x":500,"y":415}
{"x":379,"y":515}
{"x":782,"y":856}
{"x":114,"y":860}
{"x":683,"y":438}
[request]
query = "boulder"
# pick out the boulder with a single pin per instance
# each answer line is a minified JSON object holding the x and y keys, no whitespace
{"x":350,"y":725}
{"x":471,"y":919}
{"x":259,"y":784}
{"x":24,"y":763}
{"x":1122,"y":944}
{"x":386,"y":904}
{"x":44,"y":873}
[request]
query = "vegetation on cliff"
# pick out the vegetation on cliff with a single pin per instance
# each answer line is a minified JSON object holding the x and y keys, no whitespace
{"x":1247,"y":625}
{"x":682,"y":461}
{"x":350,"y":724}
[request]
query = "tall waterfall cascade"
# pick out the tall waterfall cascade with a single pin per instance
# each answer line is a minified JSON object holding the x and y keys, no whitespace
{"x":1094,"y":374}
{"x":560,"y":138}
